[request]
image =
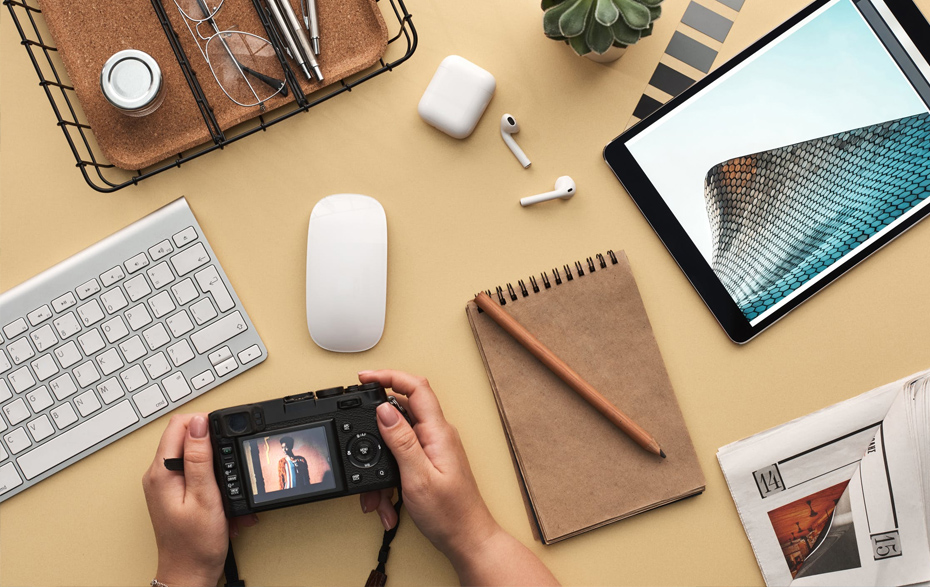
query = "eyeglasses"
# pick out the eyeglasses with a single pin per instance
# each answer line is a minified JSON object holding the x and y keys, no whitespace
{"x":245,"y":66}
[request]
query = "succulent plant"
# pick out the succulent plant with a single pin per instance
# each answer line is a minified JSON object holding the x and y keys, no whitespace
{"x":598,"y":25}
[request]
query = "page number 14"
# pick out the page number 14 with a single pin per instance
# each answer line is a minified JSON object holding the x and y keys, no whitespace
{"x":768,"y":480}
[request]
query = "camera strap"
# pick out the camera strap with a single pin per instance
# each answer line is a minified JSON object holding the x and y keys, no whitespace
{"x":377,"y":577}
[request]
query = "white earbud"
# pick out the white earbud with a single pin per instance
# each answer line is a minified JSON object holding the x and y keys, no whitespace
{"x":564,"y":188}
{"x":509,"y":126}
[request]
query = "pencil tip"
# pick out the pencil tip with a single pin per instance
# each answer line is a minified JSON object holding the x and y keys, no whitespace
{"x":661,"y":453}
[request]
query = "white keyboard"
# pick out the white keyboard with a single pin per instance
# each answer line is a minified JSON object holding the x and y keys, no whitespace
{"x":111,"y":339}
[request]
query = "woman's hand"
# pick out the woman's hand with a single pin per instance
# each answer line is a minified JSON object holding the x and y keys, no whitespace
{"x":191,"y":530}
{"x":440,"y":491}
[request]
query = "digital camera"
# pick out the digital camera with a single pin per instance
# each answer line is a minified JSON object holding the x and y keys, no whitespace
{"x":301,"y":448}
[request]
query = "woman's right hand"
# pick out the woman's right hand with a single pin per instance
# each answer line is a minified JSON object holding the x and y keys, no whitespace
{"x":440,"y":491}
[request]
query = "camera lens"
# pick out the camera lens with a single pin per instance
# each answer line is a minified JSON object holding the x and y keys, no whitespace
{"x":238,"y":423}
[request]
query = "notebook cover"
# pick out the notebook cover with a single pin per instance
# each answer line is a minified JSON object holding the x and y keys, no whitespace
{"x":578,"y":471}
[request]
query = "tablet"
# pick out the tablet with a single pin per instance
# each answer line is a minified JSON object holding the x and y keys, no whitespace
{"x":791,"y":163}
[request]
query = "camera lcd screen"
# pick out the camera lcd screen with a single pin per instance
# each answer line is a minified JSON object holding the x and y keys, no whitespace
{"x":289,"y":465}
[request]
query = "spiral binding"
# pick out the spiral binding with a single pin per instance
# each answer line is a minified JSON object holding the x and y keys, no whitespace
{"x":568,"y":273}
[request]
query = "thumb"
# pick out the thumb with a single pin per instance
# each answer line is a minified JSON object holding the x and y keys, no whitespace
{"x":198,"y":460}
{"x":404,"y":444}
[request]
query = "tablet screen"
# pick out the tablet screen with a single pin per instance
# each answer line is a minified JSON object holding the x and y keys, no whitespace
{"x":803,"y":154}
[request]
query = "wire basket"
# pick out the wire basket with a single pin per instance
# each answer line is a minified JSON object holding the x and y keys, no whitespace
{"x":106,"y":177}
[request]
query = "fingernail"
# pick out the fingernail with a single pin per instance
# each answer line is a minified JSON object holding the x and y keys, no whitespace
{"x":364,"y":508}
{"x":384,"y":522}
{"x":387,"y":415}
{"x":254,"y":518}
{"x":234,"y":533}
{"x":198,"y":427}
{"x":360,"y":373}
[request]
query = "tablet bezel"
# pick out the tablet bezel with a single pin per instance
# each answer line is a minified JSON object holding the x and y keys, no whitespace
{"x":676,"y":239}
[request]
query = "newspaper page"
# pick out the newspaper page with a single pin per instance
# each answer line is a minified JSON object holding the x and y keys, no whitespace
{"x":838,"y":497}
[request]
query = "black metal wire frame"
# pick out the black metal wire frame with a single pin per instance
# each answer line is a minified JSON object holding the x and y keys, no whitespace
{"x":94,"y":167}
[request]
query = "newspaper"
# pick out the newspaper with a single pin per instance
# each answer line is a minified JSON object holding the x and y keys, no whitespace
{"x":841,"y":496}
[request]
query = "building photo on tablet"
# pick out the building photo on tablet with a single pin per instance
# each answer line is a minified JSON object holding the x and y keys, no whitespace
{"x":802,"y":155}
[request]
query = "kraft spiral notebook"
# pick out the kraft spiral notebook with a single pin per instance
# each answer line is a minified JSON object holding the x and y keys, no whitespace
{"x":578,"y":471}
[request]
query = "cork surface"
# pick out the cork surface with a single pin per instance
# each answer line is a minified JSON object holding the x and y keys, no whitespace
{"x":353,"y":37}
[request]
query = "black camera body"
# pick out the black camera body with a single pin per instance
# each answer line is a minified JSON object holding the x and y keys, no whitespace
{"x":301,"y":448}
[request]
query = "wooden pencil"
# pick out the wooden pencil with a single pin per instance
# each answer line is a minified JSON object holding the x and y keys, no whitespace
{"x":567,"y":374}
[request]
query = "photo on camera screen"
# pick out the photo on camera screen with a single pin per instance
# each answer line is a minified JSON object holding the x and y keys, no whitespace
{"x":293,"y":464}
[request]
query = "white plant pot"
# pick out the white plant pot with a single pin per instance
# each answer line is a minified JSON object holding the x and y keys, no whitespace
{"x":610,"y":56}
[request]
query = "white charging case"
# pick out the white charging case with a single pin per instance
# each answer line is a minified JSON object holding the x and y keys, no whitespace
{"x":456,"y":97}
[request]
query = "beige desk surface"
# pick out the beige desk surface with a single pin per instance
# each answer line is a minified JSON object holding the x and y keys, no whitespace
{"x":454,"y":227}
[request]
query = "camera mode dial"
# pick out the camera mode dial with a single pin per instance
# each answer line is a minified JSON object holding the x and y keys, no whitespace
{"x":331,"y":392}
{"x":364,"y":450}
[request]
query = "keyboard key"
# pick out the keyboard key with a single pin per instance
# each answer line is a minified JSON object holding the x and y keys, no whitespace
{"x":90,"y":313}
{"x":43,"y":338}
{"x":114,"y":329}
{"x":161,"y":304}
{"x":20,"y":351}
{"x":3,"y":457}
{"x":87,"y":403}
{"x":137,"y":288}
{"x":91,"y":342}
{"x":150,"y":400}
{"x":64,"y":416}
{"x":226,"y":367}
{"x":203,"y":311}
{"x":160,"y":250}
{"x":156,"y":336}
{"x":111,"y":276}
{"x":63,"y":386}
{"x":40,"y":428}
{"x":203,"y":379}
{"x":44,"y":367}
{"x":5,"y":364}
{"x":5,"y":392}
{"x":185,"y":236}
{"x":176,"y":386}
{"x":15,"y":328}
{"x":39,"y":399}
{"x":138,"y":317}
{"x":136,"y":263}
{"x":39,"y":315}
{"x":180,"y":324}
{"x":68,"y":354}
{"x":209,"y":281}
{"x":87,"y":289}
{"x":219,"y":332}
{"x":17,"y":441}
{"x":157,"y":365}
{"x":2,"y":428}
{"x":16,"y":411}
{"x":190,"y":259}
{"x":180,"y":353}
{"x":160,"y":275}
{"x":67,"y":325}
{"x":132,"y":349}
{"x":114,"y":300}
{"x":63,"y":302}
{"x":86,"y":373}
{"x":78,"y":439}
{"x":217,"y":357}
{"x":9,"y":478}
{"x":21,"y":380}
{"x":109,"y":362}
{"x":250,"y":354}
{"x":110,"y":390}
{"x":185,"y":291}
{"x":133,"y":378}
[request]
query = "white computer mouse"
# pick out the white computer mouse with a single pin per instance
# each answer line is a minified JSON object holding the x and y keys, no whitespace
{"x":346,"y":272}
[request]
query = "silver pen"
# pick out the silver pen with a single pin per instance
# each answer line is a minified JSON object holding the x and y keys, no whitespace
{"x":313,"y":26}
{"x":288,"y":39}
{"x":300,"y":37}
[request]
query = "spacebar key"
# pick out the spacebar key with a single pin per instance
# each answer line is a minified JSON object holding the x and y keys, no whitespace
{"x":76,"y":440}
{"x":219,"y":332}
